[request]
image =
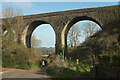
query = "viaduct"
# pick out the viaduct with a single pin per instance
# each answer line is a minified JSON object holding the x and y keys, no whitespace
{"x":62,"y":21}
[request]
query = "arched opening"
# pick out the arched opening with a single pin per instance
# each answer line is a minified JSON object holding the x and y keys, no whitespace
{"x":5,"y":32}
{"x":10,"y":35}
{"x":78,"y":31}
{"x":70,"y":24}
{"x":41,"y":35}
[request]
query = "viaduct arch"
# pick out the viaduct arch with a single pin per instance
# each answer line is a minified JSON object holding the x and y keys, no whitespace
{"x":31,"y":27}
{"x":62,"y":21}
{"x":69,"y":25}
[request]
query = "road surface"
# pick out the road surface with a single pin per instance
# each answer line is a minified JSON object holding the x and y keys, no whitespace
{"x":17,"y":73}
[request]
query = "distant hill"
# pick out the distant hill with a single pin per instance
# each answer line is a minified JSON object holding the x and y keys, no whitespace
{"x":45,"y":50}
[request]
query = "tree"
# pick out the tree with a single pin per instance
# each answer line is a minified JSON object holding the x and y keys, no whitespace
{"x":35,"y":43}
{"x":76,"y":32}
{"x":12,"y":23}
{"x":14,"y":54}
{"x":90,"y":28}
{"x":73,"y":36}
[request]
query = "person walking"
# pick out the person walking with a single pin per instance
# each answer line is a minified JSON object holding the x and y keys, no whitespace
{"x":43,"y":63}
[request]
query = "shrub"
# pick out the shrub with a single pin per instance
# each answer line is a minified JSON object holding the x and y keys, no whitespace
{"x":104,"y":59}
{"x":55,"y":67}
{"x":18,"y":56}
{"x":109,"y":60}
{"x":115,"y":61}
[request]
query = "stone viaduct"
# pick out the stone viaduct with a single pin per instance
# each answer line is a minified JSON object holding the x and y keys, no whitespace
{"x":62,"y":21}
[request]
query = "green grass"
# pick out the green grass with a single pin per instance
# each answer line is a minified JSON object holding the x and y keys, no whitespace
{"x":86,"y":65}
{"x":66,"y":73}
{"x":71,"y":73}
{"x":35,"y":66}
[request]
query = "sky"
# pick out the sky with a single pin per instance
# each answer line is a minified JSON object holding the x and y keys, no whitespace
{"x":29,"y":8}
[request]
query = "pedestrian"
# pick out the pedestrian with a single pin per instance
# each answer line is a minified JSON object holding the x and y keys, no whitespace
{"x":43,"y":63}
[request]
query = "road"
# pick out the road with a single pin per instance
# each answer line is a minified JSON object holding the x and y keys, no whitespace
{"x":17,"y":73}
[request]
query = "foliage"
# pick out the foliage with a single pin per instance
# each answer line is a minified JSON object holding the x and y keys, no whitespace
{"x":73,"y":36}
{"x":102,"y":42}
{"x":55,"y":66}
{"x":115,"y":60}
{"x":66,"y":73}
{"x":117,"y":13}
{"x":104,"y":59}
{"x":85,"y":49}
{"x":14,"y":54}
{"x":109,"y":60}
{"x":57,"y":71}
{"x":19,"y":57}
{"x":90,"y":29}
{"x":35,"y":43}
{"x":86,"y":64}
{"x":12,"y":20}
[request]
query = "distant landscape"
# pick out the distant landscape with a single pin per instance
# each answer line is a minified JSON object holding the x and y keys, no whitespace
{"x":44,"y":50}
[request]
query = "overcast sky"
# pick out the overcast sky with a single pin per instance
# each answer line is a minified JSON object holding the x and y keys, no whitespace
{"x":45,"y":32}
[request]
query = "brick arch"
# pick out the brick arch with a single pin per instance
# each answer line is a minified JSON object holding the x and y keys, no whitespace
{"x":70,"y":24}
{"x":29,"y":30}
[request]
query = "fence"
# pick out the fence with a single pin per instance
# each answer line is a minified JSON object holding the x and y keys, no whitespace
{"x":99,"y":71}
{"x":77,"y":64}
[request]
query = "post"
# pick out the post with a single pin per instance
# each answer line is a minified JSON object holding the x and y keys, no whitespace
{"x":96,"y":71}
{"x":93,"y":59}
{"x":77,"y":65}
{"x":63,"y":55}
{"x":69,"y":62}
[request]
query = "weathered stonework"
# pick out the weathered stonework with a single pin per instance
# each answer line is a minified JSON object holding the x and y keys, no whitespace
{"x":62,"y":21}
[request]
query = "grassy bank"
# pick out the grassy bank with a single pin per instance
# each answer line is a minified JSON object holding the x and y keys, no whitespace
{"x":57,"y":71}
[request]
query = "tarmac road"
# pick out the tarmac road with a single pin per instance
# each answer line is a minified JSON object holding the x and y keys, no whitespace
{"x":24,"y":74}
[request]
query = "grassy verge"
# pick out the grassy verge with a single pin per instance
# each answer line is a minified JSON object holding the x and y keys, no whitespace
{"x":64,"y":72}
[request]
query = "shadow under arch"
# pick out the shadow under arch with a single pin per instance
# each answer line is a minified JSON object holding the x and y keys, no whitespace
{"x":69,"y":25}
{"x":30,"y":30}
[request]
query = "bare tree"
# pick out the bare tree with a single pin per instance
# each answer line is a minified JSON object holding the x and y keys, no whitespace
{"x":90,"y":28}
{"x":35,"y":43}
{"x":12,"y":23}
{"x":73,"y":36}
{"x":9,"y":12}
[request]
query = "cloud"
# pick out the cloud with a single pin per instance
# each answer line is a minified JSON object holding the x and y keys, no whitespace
{"x":23,"y":4}
{"x":20,"y":3}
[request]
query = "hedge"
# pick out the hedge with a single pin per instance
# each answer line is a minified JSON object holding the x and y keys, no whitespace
{"x":109,"y":60}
